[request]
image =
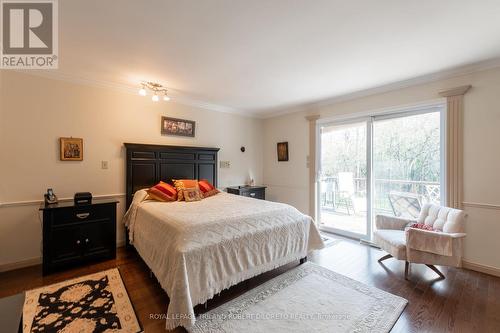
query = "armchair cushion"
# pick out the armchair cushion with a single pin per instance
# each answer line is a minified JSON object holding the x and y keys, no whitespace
{"x":442,"y":218}
{"x":391,"y":241}
{"x":392,"y":222}
{"x":431,"y":241}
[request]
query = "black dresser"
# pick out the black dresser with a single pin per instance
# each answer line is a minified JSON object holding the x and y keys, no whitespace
{"x":257,"y":192}
{"x":77,"y":234}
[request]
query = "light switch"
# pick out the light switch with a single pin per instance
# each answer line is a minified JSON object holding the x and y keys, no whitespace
{"x":104,"y":164}
{"x":225,"y":164}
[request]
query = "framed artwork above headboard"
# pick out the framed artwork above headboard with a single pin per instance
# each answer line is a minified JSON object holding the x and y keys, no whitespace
{"x":148,"y":164}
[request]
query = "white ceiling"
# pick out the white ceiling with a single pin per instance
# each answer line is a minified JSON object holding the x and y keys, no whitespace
{"x":259,"y":56}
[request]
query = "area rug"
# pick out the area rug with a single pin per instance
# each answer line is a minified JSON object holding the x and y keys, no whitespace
{"x":93,"y":303}
{"x":309,"y":298}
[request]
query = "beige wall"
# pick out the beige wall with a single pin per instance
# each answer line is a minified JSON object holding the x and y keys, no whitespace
{"x":35,"y":112}
{"x":288,"y":181}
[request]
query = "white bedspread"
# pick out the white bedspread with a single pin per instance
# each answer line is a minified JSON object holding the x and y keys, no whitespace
{"x":197,"y":249}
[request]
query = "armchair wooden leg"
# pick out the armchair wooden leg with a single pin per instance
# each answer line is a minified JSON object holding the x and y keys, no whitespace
{"x":407,"y":268}
{"x":387,"y":256}
{"x":437,"y":271}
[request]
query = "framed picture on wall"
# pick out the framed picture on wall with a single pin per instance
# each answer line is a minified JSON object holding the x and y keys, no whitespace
{"x":177,"y":127}
{"x":71,"y":149}
{"x":282,"y":151}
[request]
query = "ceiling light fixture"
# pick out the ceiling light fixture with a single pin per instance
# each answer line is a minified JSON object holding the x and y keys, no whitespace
{"x":142,"y":91}
{"x":156,"y":88}
{"x":165,"y":97}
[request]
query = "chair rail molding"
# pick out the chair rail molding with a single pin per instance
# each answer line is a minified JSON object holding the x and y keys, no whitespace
{"x":37,"y":202}
{"x":481,"y":205}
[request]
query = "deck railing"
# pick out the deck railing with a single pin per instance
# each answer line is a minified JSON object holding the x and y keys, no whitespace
{"x":332,"y":196}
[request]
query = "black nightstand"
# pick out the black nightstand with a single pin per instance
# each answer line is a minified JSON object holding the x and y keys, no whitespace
{"x":77,"y":234}
{"x":257,"y":192}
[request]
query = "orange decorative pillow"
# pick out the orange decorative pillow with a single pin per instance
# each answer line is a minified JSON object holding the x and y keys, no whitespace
{"x":182,"y":184}
{"x":163,"y":192}
{"x":206,"y":188}
{"x":192,"y":194}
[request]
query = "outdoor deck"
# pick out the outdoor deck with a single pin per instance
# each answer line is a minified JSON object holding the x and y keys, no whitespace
{"x":346,"y":209}
{"x":342,"y":221}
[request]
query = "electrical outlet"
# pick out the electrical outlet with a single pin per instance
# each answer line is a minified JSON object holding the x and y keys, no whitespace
{"x":104,"y":164}
{"x":225,"y":164}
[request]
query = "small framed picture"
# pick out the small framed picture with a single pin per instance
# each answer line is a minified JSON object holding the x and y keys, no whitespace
{"x":71,"y":149}
{"x":177,"y":127}
{"x":282,"y":151}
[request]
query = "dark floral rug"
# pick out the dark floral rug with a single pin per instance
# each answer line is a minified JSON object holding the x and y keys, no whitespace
{"x":89,"y":304}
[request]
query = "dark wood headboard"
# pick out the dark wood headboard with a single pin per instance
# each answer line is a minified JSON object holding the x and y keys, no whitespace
{"x":148,"y":164}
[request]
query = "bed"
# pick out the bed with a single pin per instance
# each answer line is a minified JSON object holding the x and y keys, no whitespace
{"x":197,"y":249}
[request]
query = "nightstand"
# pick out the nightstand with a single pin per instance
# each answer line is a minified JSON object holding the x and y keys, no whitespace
{"x":76,"y":234}
{"x":257,"y":192}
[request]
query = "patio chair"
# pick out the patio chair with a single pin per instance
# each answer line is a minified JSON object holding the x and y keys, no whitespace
{"x":327,"y":193}
{"x":405,"y":204}
{"x":346,"y":190}
{"x":441,"y":246}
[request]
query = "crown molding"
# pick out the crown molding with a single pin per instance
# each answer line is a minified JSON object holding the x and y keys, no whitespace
{"x":177,"y":96}
{"x":455,"y":91}
{"x":185,"y":99}
{"x":433,"y":77}
{"x":313,"y":117}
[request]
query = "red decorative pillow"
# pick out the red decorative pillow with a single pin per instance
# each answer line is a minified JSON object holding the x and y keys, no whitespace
{"x":206,"y":188}
{"x":163,"y":192}
{"x":422,"y":226}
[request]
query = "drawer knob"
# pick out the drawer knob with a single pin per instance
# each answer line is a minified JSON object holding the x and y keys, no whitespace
{"x":82,"y":215}
{"x":86,"y":240}
{"x":78,"y":242}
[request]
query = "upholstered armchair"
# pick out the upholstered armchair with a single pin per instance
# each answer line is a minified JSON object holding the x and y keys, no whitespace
{"x":440,"y":246}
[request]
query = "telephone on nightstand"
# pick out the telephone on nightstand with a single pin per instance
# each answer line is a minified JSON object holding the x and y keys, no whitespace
{"x":50,"y":197}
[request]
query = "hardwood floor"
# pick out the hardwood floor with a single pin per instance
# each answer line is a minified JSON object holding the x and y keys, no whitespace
{"x":466,"y":301}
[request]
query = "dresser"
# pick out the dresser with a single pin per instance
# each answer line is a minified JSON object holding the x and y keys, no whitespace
{"x":257,"y":192}
{"x":76,"y":234}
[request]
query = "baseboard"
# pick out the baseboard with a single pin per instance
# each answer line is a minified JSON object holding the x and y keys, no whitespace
{"x":37,"y":261}
{"x":481,"y":268}
{"x":20,"y":264}
{"x":490,"y":270}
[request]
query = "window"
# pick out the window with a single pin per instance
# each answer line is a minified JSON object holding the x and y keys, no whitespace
{"x":386,"y":164}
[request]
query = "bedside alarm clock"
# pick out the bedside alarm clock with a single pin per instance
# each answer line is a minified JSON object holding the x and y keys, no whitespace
{"x":83,"y":198}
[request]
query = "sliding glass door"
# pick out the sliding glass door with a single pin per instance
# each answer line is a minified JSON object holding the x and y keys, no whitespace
{"x":343,"y":186}
{"x":406,"y":163}
{"x":390,"y":164}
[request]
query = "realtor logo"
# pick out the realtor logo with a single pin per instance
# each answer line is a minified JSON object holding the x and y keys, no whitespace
{"x":29,"y":34}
